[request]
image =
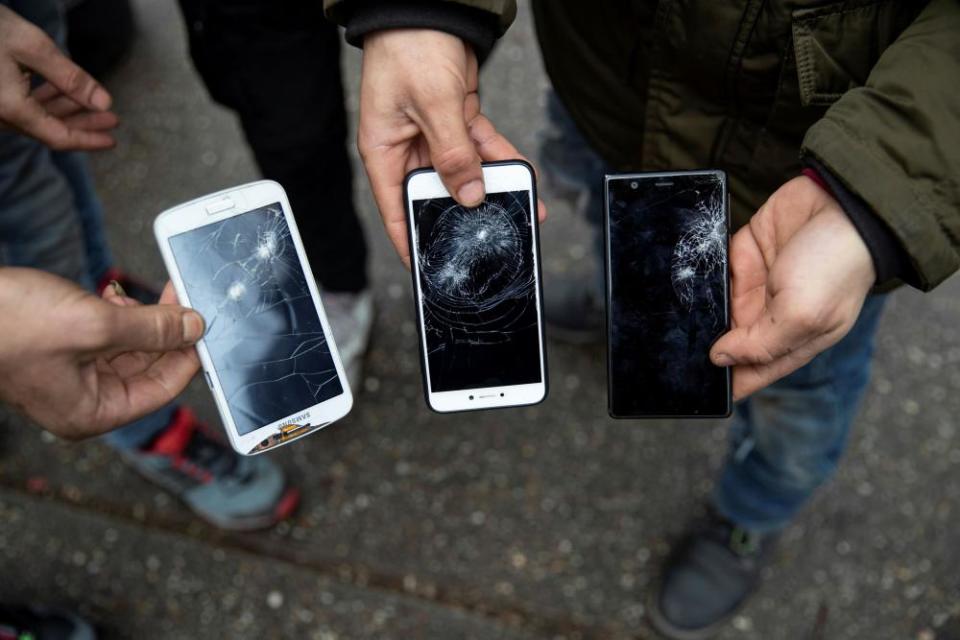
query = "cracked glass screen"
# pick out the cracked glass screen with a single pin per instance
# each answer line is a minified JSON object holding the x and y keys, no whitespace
{"x":263,"y":332}
{"x":668,"y":279}
{"x":479,"y":307}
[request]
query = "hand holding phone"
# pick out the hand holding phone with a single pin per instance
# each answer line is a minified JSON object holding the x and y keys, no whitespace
{"x":476,"y":279}
{"x":798,"y":287}
{"x":267,"y":354}
{"x":667,"y":294}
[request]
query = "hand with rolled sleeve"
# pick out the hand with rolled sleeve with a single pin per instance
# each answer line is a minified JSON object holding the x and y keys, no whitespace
{"x":79,"y":365}
{"x":800,"y":269}
{"x":70,"y":111}
{"x":800,"y":274}
{"x":419,"y":107}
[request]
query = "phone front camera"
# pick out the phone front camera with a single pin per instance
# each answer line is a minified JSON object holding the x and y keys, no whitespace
{"x":471,"y":397}
{"x":634,"y":184}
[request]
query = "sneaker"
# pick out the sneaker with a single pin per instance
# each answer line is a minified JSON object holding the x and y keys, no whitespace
{"x":574,"y":310}
{"x":229,"y":491}
{"x":708,"y":577}
{"x":41,"y":623}
{"x":132,"y":287}
{"x":351,"y":320}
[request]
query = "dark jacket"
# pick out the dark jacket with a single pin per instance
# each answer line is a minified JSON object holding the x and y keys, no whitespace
{"x":866,"y":90}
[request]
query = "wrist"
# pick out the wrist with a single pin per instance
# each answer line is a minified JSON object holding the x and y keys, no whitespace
{"x":476,"y":27}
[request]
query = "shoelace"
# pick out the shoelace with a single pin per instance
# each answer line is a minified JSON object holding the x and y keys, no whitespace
{"x":207,"y":453}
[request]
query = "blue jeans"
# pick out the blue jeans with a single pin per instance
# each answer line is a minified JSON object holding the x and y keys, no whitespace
{"x":50,"y":217}
{"x":74,"y":168}
{"x":785,"y":440}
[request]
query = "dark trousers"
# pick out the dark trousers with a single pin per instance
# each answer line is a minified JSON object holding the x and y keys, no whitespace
{"x":276,"y":63}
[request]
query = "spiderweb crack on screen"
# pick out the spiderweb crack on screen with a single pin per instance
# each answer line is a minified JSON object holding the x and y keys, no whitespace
{"x":700,"y":253}
{"x":263,"y":332}
{"x":668,"y":305}
{"x":478,"y":284}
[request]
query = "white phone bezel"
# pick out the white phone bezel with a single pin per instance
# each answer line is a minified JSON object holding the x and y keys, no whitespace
{"x":497,"y":178}
{"x":215,"y":208}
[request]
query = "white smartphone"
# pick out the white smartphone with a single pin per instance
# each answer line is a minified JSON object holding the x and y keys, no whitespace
{"x":476,"y":280}
{"x":267,"y":353}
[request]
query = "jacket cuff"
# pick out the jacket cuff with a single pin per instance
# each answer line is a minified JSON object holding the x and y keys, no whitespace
{"x":890,"y":260}
{"x":477,"y":27}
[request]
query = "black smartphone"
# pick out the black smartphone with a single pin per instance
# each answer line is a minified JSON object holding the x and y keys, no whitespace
{"x":476,"y":281}
{"x":667,"y":240}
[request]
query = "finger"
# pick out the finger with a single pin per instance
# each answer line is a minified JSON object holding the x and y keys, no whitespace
{"x":124,"y":399}
{"x":64,"y":106}
{"x":385,"y":168}
{"x":452,"y":151}
{"x":128,"y":364}
{"x":750,"y":378}
{"x":39,"y":53}
{"x":153,"y":328}
{"x":747,"y":266}
{"x":493,"y":146}
{"x":114,"y":294}
{"x":46,"y":92}
{"x":780,"y":330}
{"x":168,"y":295}
{"x":490,"y":144}
{"x":31,"y":119}
{"x":92,"y":121}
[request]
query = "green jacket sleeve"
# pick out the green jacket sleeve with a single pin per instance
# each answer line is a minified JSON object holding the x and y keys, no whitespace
{"x":895,"y":141}
{"x":506,"y":10}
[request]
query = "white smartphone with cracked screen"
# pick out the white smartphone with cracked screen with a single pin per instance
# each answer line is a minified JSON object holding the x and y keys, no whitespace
{"x":667,"y":294}
{"x":267,"y":353}
{"x":476,"y":280}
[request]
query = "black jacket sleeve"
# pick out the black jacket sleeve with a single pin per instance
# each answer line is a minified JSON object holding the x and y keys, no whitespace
{"x":890,"y":259}
{"x":477,"y":27}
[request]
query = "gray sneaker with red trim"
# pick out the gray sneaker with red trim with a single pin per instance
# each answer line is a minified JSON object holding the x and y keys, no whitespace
{"x":230,"y":491}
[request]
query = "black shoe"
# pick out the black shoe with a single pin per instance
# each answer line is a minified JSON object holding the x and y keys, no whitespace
{"x":574,"y":310}
{"x":707,"y":578}
{"x":40,"y":623}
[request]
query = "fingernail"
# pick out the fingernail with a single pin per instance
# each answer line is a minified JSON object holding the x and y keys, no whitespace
{"x":722,"y":360}
{"x":118,"y":289}
{"x":192,"y":327}
{"x":471,"y":193}
{"x":100,"y":99}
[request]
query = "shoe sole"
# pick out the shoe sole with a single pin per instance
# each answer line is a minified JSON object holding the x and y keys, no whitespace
{"x":284,"y":508}
{"x":667,"y":629}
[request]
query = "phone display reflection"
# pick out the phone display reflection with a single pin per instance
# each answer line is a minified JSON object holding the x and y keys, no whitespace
{"x":479,"y":291}
{"x":263,"y":332}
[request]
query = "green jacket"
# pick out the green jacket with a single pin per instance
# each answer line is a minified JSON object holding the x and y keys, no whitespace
{"x":869,"y":88}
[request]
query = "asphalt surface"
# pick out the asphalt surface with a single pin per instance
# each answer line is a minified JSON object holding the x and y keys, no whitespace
{"x":546,"y":522}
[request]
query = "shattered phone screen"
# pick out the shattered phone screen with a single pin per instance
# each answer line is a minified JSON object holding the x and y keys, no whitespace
{"x":479,"y":291}
{"x":667,"y":251}
{"x":263,"y":332}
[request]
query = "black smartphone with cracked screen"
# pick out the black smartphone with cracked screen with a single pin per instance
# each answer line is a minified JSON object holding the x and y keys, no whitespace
{"x":667,"y":288}
{"x":476,"y":280}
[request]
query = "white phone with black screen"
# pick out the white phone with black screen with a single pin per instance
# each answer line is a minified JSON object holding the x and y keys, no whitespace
{"x":476,"y":280}
{"x":267,"y":352}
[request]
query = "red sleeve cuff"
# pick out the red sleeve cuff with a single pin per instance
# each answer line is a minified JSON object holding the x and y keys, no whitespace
{"x":814,"y":175}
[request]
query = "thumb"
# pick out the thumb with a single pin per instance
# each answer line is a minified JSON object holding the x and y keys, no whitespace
{"x":452,"y":151}
{"x":155,"y":328}
{"x":36,"y":51}
{"x":759,"y":343}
